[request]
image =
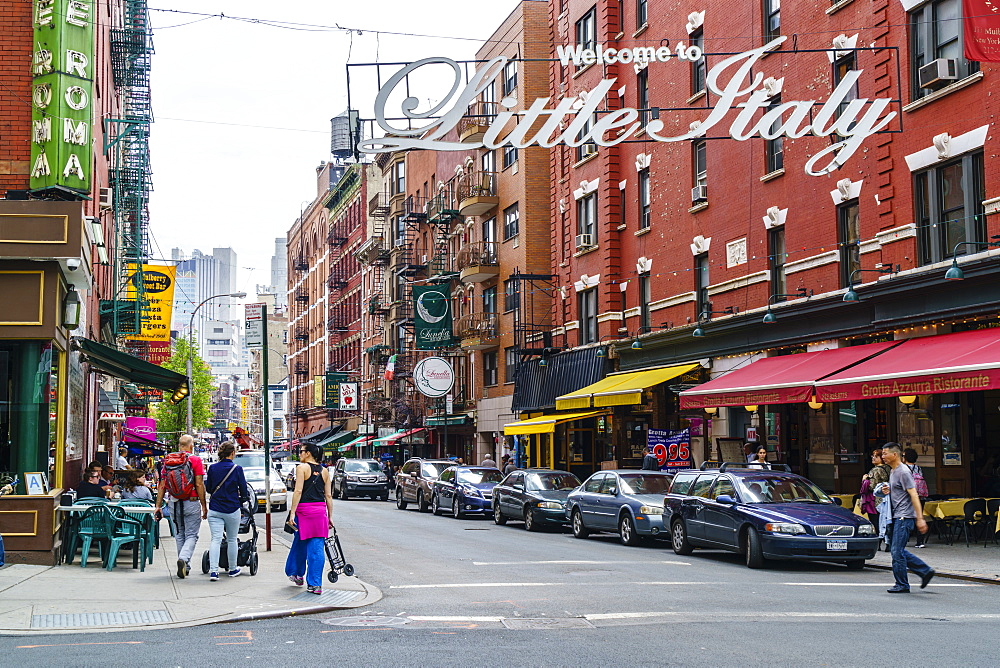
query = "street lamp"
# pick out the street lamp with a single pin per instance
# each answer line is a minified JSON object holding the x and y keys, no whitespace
{"x":190,"y":374}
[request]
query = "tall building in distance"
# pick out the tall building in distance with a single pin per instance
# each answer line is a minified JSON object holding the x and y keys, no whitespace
{"x":200,"y":276}
{"x":279,"y":273}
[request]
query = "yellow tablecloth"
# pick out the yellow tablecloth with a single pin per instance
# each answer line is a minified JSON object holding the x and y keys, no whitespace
{"x":943,"y":509}
{"x":846,"y":500}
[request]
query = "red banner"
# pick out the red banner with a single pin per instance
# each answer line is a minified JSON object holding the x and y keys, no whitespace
{"x":982,"y":30}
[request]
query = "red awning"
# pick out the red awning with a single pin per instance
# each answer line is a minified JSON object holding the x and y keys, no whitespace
{"x":778,"y":380}
{"x":959,"y":362}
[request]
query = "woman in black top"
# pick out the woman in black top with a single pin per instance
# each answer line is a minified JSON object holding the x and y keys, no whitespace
{"x":89,"y":486}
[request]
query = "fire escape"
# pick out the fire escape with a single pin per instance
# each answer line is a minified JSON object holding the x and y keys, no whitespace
{"x":533,"y":316}
{"x":127,"y":149}
{"x":300,"y":332}
{"x":374,"y":253}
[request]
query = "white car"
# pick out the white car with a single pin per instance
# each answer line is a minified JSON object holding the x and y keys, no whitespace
{"x":279,"y":493}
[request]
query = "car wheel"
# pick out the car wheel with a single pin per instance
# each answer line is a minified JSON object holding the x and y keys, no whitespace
{"x":679,"y":539}
{"x":498,"y":516}
{"x":435,"y":504}
{"x":400,"y":501}
{"x":626,"y":529}
{"x":855,"y":564}
{"x":579,"y":531}
{"x":752,"y":551}
{"x":343,"y":494}
{"x":530,"y":523}
{"x":456,"y":508}
{"x":422,"y":504}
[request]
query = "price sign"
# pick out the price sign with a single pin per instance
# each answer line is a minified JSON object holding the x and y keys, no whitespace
{"x":671,"y":448}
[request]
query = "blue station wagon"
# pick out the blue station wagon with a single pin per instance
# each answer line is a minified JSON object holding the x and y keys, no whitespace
{"x":764,"y":514}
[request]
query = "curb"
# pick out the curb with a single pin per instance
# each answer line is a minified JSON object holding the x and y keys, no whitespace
{"x":950,"y":576}
{"x":372,"y":595}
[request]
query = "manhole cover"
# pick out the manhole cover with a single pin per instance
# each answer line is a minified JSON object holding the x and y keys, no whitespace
{"x":366,"y":621}
{"x":545,"y":623}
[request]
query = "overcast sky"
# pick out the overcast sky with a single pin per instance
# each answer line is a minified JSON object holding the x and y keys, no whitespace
{"x":242,"y":109}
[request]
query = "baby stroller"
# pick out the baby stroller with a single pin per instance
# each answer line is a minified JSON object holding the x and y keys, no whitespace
{"x":335,"y":555}
{"x":246,"y":550}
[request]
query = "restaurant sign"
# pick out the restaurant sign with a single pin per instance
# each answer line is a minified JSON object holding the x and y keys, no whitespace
{"x":939,"y":383}
{"x":62,"y":91}
{"x":735,"y":82}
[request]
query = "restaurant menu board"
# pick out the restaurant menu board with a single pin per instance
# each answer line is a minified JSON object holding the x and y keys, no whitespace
{"x":76,"y":409}
{"x":672,"y":448}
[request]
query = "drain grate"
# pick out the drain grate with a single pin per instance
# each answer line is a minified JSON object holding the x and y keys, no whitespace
{"x":129,"y":618}
{"x":542,"y":623}
{"x":332,"y":597}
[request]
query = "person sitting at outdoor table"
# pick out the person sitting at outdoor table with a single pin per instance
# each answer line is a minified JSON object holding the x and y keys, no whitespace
{"x":121,"y":463}
{"x":89,"y":487}
{"x":135,"y":487}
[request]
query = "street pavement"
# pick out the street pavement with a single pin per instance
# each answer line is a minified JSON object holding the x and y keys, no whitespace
{"x":461,"y":592}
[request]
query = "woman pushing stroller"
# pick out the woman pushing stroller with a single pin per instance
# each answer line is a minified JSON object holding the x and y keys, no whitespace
{"x":228,"y":488}
{"x":311,"y":515}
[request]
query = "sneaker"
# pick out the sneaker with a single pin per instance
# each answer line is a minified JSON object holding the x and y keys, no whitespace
{"x":314,"y":590}
{"x":920,"y":545}
{"x":214,"y":576}
{"x":899,"y":590}
{"x":182,"y":569}
{"x":296,"y":580}
{"x":926,"y":578}
{"x":236,"y":571}
{"x":187,"y":569}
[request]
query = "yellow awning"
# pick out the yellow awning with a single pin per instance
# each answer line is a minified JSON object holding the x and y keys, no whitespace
{"x":544,"y":424}
{"x":624,"y":389}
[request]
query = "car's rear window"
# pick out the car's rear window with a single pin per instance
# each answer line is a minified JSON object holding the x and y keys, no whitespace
{"x":361,"y":467}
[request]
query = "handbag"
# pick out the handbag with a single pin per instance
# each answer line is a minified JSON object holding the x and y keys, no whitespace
{"x":289,"y":527}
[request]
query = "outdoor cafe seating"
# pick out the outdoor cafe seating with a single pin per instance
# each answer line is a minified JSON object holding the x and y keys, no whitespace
{"x":111,"y":525}
{"x":972,"y":519}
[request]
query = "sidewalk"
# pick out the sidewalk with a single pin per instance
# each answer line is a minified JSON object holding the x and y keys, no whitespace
{"x":70,"y":599}
{"x":975,"y":562}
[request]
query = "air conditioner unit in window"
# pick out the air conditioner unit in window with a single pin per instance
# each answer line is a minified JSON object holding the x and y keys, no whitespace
{"x":400,"y":243}
{"x":106,"y":198}
{"x":938,"y":73}
{"x":585,"y":241}
{"x":588,"y":149}
{"x":699,"y":194}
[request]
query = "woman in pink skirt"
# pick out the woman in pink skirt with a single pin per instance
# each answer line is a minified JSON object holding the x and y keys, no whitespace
{"x":312,"y":515}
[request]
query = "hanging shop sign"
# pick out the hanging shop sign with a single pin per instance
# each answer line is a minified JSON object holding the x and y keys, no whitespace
{"x":982,"y":30}
{"x":432,"y":325}
{"x":348,"y":396}
{"x":62,"y":91}
{"x":671,"y":448}
{"x":735,"y":82}
{"x":139,"y":429}
{"x":158,"y":288}
{"x":433,"y":376}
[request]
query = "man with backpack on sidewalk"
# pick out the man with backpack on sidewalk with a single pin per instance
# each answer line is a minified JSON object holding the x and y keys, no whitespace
{"x":183,"y":477}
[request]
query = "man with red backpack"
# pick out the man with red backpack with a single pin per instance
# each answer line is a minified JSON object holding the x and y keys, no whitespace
{"x":183,"y":477}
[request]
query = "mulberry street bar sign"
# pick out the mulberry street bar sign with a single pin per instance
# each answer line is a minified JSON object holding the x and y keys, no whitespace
{"x":62,"y":93}
{"x":731,"y":80}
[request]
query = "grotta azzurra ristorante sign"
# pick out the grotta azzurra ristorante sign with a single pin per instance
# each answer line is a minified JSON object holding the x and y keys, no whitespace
{"x":432,"y":321}
{"x":62,"y":92}
{"x":739,"y":89}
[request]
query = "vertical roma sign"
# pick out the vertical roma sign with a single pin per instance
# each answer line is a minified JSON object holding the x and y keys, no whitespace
{"x":62,"y":90}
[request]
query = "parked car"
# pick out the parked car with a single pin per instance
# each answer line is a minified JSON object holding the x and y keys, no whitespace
{"x":415,"y":480}
{"x":279,"y":493}
{"x":764,"y":515}
{"x":360,"y":477}
{"x":465,"y":490}
{"x":627,"y":501}
{"x":536,"y":497}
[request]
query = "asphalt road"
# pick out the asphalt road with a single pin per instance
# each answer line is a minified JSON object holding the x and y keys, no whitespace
{"x":467,"y":592}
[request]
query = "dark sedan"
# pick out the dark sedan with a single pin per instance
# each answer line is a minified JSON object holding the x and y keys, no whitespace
{"x":535,"y":496}
{"x":629,"y":502}
{"x":465,"y":490}
{"x":764,"y":515}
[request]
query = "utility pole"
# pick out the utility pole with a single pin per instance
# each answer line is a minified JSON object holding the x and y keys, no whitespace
{"x":266,"y":429}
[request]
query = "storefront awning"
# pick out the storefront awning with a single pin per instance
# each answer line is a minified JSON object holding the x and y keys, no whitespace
{"x":545,"y":424}
{"x":131,"y":368}
{"x":959,"y":362}
{"x":361,"y":440}
{"x":449,"y":420}
{"x":320,"y":434}
{"x":778,"y":380}
{"x":333,"y":440}
{"x":392,"y":438}
{"x":623,"y":389}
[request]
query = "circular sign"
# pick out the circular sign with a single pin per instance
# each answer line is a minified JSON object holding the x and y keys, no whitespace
{"x":432,"y":306}
{"x":433,"y":377}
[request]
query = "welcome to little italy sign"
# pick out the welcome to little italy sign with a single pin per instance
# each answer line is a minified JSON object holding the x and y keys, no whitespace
{"x":730,"y":80}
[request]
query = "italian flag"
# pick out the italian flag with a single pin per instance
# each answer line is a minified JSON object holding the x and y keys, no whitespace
{"x":390,"y":368}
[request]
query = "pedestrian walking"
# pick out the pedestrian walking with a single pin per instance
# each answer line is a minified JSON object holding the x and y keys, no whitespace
{"x":650,"y":462}
{"x":228,"y":487}
{"x":906,"y":513}
{"x":311,"y":515}
{"x":489,"y":462}
{"x":919,"y":484}
{"x":508,"y":464}
{"x":183,"y":478}
{"x":870,"y":482}
{"x":760,"y":459}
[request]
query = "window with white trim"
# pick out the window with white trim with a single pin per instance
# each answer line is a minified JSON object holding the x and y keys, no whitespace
{"x":586,"y":214}
{"x":948,"y":201}
{"x":936,"y":33}
{"x":509,"y":86}
{"x":849,"y":228}
{"x":645,"y":199}
{"x":587,"y":305}
{"x":772,"y":19}
{"x":511,"y":222}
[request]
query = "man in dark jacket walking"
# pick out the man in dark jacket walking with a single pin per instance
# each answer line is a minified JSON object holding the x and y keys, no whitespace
{"x":650,"y":462}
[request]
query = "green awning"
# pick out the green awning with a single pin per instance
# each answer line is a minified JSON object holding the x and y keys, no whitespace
{"x":131,"y":368}
{"x":446,"y":420}
{"x":361,"y":440}
{"x":341,"y":437}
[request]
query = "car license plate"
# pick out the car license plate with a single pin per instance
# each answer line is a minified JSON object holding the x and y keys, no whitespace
{"x":836,"y":545}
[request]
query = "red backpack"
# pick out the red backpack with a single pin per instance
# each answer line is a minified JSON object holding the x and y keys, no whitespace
{"x":178,"y":476}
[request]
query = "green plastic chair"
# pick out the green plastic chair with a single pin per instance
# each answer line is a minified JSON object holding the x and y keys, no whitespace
{"x":149,"y":524}
{"x":126,"y":531}
{"x":97,"y":524}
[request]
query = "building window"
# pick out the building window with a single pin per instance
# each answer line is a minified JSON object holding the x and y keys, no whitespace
{"x":640,"y":13}
{"x":217,"y":330}
{"x":948,"y":200}
{"x":776,"y":260}
{"x":278,"y":401}
{"x":511,"y":360}
{"x":509,"y":156}
{"x":586,"y":214}
{"x":772,"y":19}
{"x":490,"y":300}
{"x":219,"y":342}
{"x":589,"y":147}
{"x":509,"y":86}
{"x":645,"y":296}
{"x":587,"y":300}
{"x":489,"y":162}
{"x":702,"y":303}
{"x":841,"y":67}
{"x":699,"y":161}
{"x":936,"y":32}
{"x":642,"y":94}
{"x":698,"y":67}
{"x":774,"y":148}
{"x":218,"y":353}
{"x":511,"y":294}
{"x":490,"y":368}
{"x":644,"y":200}
{"x":849,"y":225}
{"x":511,"y":222}
{"x":398,"y":182}
{"x":490,"y":235}
{"x":586,"y":31}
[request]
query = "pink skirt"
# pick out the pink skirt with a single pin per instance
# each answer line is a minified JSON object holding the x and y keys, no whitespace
{"x":312,"y":520}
